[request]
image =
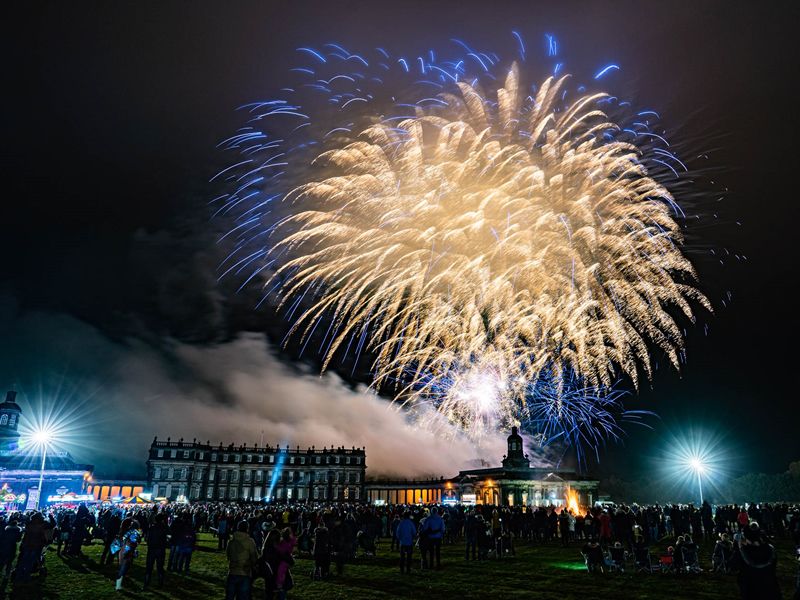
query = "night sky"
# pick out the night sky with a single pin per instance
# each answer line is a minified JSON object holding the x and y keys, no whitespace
{"x":111,"y":116}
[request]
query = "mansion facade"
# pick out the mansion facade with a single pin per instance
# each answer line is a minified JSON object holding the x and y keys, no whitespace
{"x":514,"y":483}
{"x":195,"y":471}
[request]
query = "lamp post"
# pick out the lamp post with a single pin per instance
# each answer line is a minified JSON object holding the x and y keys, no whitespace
{"x":698,"y":466}
{"x":42,"y":439}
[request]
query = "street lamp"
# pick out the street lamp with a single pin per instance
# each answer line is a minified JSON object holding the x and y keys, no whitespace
{"x":697,"y":465}
{"x":42,"y":438}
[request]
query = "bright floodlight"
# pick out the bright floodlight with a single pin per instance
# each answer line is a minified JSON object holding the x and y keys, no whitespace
{"x":697,"y":465}
{"x":42,"y":437}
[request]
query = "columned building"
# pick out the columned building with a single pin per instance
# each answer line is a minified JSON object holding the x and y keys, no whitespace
{"x":514,"y":483}
{"x":197,"y":471}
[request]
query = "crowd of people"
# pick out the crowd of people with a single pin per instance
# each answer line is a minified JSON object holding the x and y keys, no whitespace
{"x":261,"y":541}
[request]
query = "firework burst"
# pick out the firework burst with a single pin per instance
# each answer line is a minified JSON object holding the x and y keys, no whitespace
{"x":483,"y":237}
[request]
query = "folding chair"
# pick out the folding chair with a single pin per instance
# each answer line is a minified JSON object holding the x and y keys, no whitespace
{"x":666,"y":563}
{"x":642,"y":560}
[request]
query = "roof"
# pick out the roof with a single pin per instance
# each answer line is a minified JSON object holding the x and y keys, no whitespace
{"x":53,"y":462}
{"x":10,"y":402}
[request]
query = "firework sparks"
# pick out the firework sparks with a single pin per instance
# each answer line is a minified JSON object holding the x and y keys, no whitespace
{"x":491,"y":235}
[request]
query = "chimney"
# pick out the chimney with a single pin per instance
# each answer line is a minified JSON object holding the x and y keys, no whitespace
{"x":10,"y":396}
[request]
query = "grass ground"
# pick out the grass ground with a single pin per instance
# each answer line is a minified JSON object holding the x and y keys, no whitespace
{"x":537,"y":572}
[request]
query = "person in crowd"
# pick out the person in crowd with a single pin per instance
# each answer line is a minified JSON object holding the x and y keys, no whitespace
{"x":269,"y":560}
{"x":593,"y":556}
{"x":175,"y":535}
{"x":64,"y":526}
{"x":242,"y":557}
{"x":9,"y":538}
{"x":393,"y":532}
{"x":30,"y":551}
{"x":471,"y":534}
{"x":186,"y":543}
{"x":322,"y":551}
{"x":406,"y":532}
{"x":112,"y":526}
{"x":223,"y":532}
{"x":283,"y":575}
{"x":130,"y":535}
{"x":756,"y":563}
{"x":563,"y":527}
{"x":433,"y":531}
{"x":156,"y":549}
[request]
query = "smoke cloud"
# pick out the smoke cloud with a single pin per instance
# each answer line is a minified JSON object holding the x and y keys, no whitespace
{"x":119,"y":394}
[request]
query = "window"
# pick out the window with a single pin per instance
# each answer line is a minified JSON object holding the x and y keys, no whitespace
{"x":201,"y":455}
{"x":259,"y":476}
{"x":224,"y":458}
{"x":4,"y":420}
{"x":234,"y":475}
{"x":261,"y":458}
{"x":302,"y":460}
{"x":337,"y":460}
{"x":157,"y":473}
{"x":237,"y":458}
{"x":174,"y":454}
{"x":347,"y":460}
{"x":183,"y":473}
{"x":316,"y":493}
{"x":211,"y":474}
{"x":249,"y":458}
{"x":210,"y":493}
{"x":358,"y":477}
{"x":12,"y":420}
{"x":223,"y":475}
{"x":221,"y":493}
{"x":248,"y":475}
{"x":291,"y":460}
{"x":271,"y":458}
{"x":170,"y":473}
{"x":185,"y":454}
{"x":160,"y":454}
{"x":318,"y":460}
{"x":213,"y":457}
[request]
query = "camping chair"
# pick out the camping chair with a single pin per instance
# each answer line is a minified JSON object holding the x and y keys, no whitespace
{"x":616,"y":559}
{"x":641,"y":560}
{"x":666,"y":563}
{"x":593,"y":565}
{"x":720,"y":560}
{"x":691,"y":562}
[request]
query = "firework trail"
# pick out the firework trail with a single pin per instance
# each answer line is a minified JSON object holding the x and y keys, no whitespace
{"x":506,"y":249}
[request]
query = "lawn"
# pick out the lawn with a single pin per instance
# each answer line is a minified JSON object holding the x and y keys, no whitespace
{"x":536,"y":572}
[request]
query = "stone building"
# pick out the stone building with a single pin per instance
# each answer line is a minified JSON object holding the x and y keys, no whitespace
{"x":197,"y":471}
{"x":514,"y":483}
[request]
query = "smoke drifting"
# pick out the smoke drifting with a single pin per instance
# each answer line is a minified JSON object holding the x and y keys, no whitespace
{"x":121,"y":394}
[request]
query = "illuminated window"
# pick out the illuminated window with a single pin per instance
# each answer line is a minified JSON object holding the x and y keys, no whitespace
{"x":160,"y":454}
{"x":12,"y":420}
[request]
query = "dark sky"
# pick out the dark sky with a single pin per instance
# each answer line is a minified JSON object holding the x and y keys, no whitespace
{"x":112,"y":112}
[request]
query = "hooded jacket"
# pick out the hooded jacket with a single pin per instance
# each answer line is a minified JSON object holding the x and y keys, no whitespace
{"x":242,"y":554}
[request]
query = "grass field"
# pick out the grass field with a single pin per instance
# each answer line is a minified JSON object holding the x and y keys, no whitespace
{"x":537,"y":572}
